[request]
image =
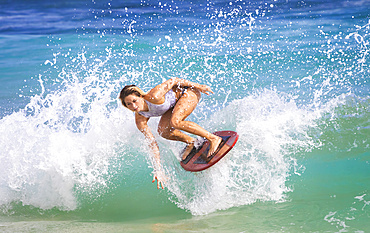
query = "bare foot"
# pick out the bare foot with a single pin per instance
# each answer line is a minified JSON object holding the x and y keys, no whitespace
{"x":215,"y":142}
{"x":187,"y":151}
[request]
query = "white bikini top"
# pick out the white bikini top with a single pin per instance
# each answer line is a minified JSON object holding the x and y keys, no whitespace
{"x":156,"y":110}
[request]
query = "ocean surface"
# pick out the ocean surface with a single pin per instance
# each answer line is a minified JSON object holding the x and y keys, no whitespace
{"x":291,"y":77}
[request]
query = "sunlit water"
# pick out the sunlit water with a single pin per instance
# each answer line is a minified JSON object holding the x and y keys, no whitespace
{"x":291,"y":78}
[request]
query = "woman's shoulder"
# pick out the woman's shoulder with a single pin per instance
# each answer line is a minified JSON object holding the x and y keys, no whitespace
{"x":153,"y":98}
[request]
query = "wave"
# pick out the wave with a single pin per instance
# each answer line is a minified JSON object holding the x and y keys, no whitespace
{"x":74,"y":146}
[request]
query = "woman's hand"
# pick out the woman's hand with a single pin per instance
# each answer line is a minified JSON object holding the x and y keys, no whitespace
{"x":160,"y":182}
{"x":205,"y":89}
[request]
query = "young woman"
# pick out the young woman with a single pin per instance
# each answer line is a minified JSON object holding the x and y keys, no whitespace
{"x":174,"y":100}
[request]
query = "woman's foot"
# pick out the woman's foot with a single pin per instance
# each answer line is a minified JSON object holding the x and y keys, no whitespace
{"x":187,"y":151}
{"x":215,"y":142}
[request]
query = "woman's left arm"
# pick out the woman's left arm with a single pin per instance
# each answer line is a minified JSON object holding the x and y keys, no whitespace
{"x":156,"y":95}
{"x":158,"y":174}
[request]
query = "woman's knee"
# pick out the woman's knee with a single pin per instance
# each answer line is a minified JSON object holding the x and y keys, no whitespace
{"x":175,"y":123}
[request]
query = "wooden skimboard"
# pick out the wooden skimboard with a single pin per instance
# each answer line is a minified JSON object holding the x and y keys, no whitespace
{"x":197,"y":159}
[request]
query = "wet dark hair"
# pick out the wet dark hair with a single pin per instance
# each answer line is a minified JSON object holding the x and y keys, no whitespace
{"x":130,"y":90}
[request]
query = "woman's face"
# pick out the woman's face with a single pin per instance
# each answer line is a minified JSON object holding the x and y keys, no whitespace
{"x":134,"y":103}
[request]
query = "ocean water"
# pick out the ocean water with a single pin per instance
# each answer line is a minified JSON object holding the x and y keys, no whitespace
{"x":291,"y":77}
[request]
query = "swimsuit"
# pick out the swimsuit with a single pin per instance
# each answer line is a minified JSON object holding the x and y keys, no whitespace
{"x":156,"y":110}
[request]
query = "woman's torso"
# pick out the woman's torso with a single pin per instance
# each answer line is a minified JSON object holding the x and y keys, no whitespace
{"x":156,"y":110}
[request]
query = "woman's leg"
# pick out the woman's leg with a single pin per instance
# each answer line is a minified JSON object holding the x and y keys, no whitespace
{"x":167,"y":131}
{"x":183,"y":108}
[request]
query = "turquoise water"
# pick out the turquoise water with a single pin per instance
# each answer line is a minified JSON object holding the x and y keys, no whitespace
{"x":291,"y":77}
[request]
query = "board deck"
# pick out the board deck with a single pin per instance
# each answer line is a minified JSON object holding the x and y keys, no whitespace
{"x":197,"y":159}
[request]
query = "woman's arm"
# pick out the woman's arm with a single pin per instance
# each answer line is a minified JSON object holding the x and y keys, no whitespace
{"x":142,"y":125}
{"x":156,"y":95}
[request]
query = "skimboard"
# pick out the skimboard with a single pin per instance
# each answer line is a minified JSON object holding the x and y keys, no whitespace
{"x":197,"y":159}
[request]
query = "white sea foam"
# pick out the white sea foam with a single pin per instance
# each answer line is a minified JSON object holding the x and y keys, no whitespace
{"x":62,"y":142}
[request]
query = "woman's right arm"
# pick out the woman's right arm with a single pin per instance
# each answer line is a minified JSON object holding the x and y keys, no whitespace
{"x":156,"y":95}
{"x":142,"y":125}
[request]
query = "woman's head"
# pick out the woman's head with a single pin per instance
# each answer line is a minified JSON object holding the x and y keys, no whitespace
{"x":130,"y":90}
